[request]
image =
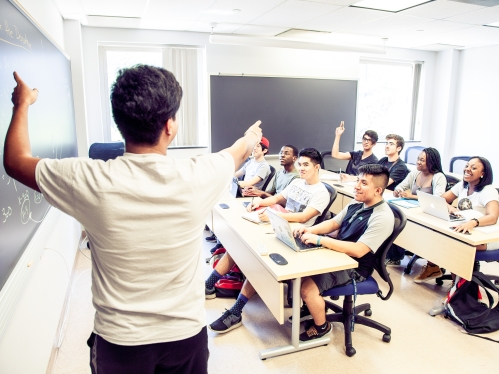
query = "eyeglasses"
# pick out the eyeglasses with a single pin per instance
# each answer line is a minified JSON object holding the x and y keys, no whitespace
{"x":364,"y":139}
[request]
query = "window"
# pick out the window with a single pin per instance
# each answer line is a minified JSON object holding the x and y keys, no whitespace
{"x":188,"y":66}
{"x":388,"y":99}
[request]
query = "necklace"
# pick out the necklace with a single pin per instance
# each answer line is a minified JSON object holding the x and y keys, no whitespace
{"x":422,"y":184}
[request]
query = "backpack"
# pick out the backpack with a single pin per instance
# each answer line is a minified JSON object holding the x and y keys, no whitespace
{"x":465,"y":305}
{"x":231,"y":283}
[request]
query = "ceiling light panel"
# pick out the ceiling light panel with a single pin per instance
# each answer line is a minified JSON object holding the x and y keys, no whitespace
{"x":115,"y":8}
{"x":293,"y":12}
{"x":478,"y":17}
{"x":386,"y":26}
{"x":223,"y":10}
{"x":341,"y":18}
{"x":441,"y":9}
{"x":175,"y":9}
{"x":389,"y":5}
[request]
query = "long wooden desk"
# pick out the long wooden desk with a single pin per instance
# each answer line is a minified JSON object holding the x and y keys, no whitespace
{"x":427,"y":236}
{"x":241,"y":238}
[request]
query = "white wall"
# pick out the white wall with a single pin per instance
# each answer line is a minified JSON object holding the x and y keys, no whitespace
{"x":28,"y":340}
{"x":476,"y":115}
{"x":226,"y":59}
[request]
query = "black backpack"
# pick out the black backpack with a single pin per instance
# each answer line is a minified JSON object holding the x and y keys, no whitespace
{"x":465,"y":308}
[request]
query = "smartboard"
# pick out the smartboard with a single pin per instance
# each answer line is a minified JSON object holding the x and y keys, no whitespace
{"x":303,"y":112}
{"x":52,"y":132}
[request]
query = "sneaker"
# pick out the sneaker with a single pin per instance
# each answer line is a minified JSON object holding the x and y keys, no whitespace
{"x":304,"y":314}
{"x":214,"y":249}
{"x":312,"y":333}
{"x":211,"y":238}
{"x":392,"y":263}
{"x":227,"y":322}
{"x":428,"y":273}
{"x":210,"y":293}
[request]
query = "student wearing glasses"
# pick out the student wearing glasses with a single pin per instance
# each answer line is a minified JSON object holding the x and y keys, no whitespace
{"x":357,"y":158}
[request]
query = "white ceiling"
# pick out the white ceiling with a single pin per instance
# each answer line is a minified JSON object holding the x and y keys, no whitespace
{"x":436,"y":25}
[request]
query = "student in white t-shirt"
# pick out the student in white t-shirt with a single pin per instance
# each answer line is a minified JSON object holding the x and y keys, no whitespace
{"x":144,"y":214}
{"x":475,"y":192}
{"x":305,"y":199}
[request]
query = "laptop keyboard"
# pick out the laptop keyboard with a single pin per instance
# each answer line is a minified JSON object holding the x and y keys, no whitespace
{"x":302,"y":245}
{"x":455,"y":217}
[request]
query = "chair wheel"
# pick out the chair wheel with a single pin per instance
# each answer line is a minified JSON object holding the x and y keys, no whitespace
{"x":407,"y":271}
{"x":440,"y":282}
{"x":387,"y":338}
{"x":368,"y":313}
{"x":350,"y":351}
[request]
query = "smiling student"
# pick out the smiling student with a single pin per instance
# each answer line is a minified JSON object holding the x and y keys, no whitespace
{"x":257,"y":169}
{"x":395,"y":165}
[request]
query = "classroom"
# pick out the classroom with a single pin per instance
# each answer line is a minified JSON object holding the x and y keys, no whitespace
{"x":451,"y":105}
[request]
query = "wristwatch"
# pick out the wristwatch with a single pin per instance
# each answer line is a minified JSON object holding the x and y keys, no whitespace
{"x":477,"y":222}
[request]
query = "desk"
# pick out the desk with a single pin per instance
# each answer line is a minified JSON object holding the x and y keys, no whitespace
{"x":241,"y":238}
{"x":429,"y":237}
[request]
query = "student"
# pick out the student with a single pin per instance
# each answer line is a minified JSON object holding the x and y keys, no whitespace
{"x":395,"y":165}
{"x":475,"y":192}
{"x":363,"y":226}
{"x":144,"y":214}
{"x":304,"y":199}
{"x":287,"y":157}
{"x":257,"y":169}
{"x":428,"y":177}
{"x":357,"y":158}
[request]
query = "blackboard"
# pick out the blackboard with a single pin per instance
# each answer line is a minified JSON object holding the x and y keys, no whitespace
{"x":52,"y":131}
{"x":303,"y":112}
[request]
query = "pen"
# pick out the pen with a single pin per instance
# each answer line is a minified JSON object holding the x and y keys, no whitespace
{"x":252,"y":202}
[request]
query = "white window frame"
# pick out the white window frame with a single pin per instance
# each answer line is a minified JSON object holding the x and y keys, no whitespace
{"x":200,"y":126}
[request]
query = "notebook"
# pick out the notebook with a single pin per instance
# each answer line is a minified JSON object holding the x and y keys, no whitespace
{"x":405,"y":203}
{"x":436,"y":206}
{"x":284,"y":233}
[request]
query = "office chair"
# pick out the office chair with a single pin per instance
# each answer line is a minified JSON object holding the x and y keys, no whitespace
{"x":458,"y":163}
{"x":269,"y":178}
{"x":332,"y":164}
{"x":106,"y":151}
{"x":451,"y":181}
{"x":349,"y":312}
{"x":412,"y":153}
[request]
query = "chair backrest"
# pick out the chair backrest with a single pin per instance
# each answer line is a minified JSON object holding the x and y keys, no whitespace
{"x":269,"y":178}
{"x":458,"y":163}
{"x":332,"y":164}
{"x":106,"y":151}
{"x":451,"y":181}
{"x":332,"y":197}
{"x":380,"y":255}
{"x":412,"y":153}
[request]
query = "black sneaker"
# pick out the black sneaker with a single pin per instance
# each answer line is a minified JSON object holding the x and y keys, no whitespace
{"x":210,"y":293}
{"x":227,"y":322}
{"x":392,"y":263}
{"x":211,"y":238}
{"x":312,"y":333}
{"x":219,"y":245}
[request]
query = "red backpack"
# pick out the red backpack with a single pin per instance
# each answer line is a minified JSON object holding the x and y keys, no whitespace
{"x":231,"y":283}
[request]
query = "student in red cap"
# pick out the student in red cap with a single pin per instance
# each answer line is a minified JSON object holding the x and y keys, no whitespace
{"x":257,"y":169}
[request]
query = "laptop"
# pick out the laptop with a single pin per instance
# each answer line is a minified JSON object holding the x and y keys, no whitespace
{"x":284,"y":233}
{"x":235,"y":189}
{"x":436,"y":206}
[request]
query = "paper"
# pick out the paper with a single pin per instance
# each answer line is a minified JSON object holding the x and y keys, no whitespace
{"x":253,"y":217}
{"x":469,"y":214}
{"x":330,"y":177}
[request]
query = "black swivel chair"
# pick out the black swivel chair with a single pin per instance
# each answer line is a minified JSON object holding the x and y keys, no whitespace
{"x":348,"y":312}
{"x":106,"y":151}
{"x":412,"y":153}
{"x":332,"y":164}
{"x":269,"y":178}
{"x":458,"y":163}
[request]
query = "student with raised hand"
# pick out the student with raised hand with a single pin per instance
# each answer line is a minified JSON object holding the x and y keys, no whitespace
{"x":357,"y":158}
{"x":287,"y":157}
{"x":475,"y":192}
{"x":305,"y":199}
{"x":395,"y":165}
{"x":428,"y":177}
{"x":144,"y":213}
{"x":362,"y":226}
{"x":257,"y":169}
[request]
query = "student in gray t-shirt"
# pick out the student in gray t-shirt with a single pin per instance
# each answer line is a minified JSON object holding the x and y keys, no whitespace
{"x":257,"y":169}
{"x":287,"y":158}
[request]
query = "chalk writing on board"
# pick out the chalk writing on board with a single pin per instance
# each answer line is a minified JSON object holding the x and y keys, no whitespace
{"x":6,"y":213}
{"x":13,"y":36}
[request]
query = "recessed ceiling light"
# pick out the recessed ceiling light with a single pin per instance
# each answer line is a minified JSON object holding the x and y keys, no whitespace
{"x":389,"y":5}
{"x":494,"y":24}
